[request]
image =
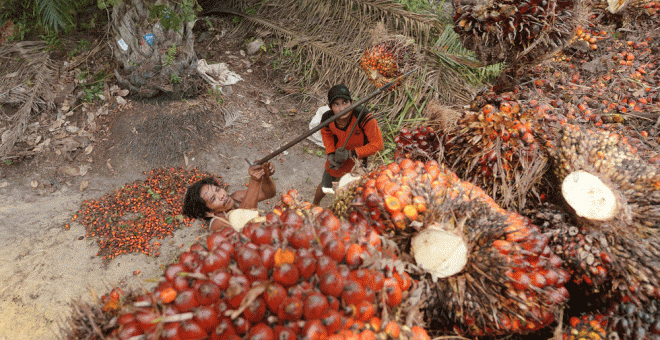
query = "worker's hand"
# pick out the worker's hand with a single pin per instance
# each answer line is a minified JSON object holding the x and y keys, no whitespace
{"x":341,"y":155}
{"x":269,"y":169}
{"x":257,"y":172}
{"x":332,"y":159}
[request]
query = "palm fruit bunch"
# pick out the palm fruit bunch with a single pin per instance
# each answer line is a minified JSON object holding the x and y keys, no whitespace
{"x":585,"y":257}
{"x":515,"y":31}
{"x":289,"y":274}
{"x":496,"y":145}
{"x":628,"y":321}
{"x":586,"y":327}
{"x":387,"y":60}
{"x":630,"y":185}
{"x":419,"y":143}
{"x":483,"y":270}
{"x":613,"y":195}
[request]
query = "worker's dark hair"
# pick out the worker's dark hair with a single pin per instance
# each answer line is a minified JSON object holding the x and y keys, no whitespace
{"x":193,"y":204}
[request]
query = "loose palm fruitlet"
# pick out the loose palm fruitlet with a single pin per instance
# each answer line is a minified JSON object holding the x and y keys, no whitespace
{"x":629,"y":321}
{"x":290,"y":274}
{"x":420,"y":143}
{"x":482,"y":269}
{"x":128,"y":219}
{"x":613,"y":197}
{"x":586,"y":327}
{"x":496,"y":146}
{"x":386,"y":61}
{"x":515,"y":31}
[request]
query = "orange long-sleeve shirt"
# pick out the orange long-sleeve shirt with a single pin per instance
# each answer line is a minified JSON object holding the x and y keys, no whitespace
{"x":366,"y":139}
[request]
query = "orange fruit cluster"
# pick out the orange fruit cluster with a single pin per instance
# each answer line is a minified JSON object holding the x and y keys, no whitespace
{"x":586,"y":327}
{"x":386,"y":61}
{"x":127,"y":220}
{"x":291,"y":274}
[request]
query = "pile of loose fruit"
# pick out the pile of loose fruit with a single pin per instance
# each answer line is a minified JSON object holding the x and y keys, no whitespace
{"x":130,"y":218}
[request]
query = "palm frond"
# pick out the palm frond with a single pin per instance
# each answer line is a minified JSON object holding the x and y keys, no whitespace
{"x":326,"y":38}
{"x":55,"y":13}
{"x":32,"y":72}
{"x":451,"y":52}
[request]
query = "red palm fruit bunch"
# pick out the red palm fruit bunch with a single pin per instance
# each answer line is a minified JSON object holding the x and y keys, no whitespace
{"x":614,"y":196}
{"x":515,"y":30}
{"x":487,"y":271}
{"x":419,"y":143}
{"x":497,"y":146}
{"x":289,"y":274}
{"x":585,"y":256}
{"x":387,"y":60}
{"x":628,"y":321}
{"x":586,"y":327}
{"x":126,"y":220}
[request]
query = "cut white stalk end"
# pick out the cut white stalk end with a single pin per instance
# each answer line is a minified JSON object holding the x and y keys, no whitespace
{"x":589,"y":196}
{"x":238,"y":218}
{"x":345,"y":182}
{"x":440,"y":252}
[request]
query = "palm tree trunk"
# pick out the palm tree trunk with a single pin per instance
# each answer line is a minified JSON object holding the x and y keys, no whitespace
{"x":156,"y":56}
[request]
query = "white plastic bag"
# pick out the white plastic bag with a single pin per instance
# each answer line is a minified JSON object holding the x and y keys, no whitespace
{"x":217,"y":75}
{"x":316,"y":120}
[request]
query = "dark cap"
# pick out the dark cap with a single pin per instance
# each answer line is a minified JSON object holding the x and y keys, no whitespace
{"x":338,"y":91}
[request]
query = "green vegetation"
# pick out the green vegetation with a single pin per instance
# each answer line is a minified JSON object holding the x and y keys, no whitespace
{"x":171,"y":19}
{"x":94,"y":89}
{"x":391,"y":128}
{"x":215,"y":93}
{"x":175,"y":79}
{"x":45,"y":18}
{"x":170,"y":56}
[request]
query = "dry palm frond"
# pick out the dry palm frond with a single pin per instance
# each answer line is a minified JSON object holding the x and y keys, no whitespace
{"x":326,"y":40}
{"x":28,"y":75}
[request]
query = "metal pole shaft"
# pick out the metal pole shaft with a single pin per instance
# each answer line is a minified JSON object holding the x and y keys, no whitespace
{"x":327,"y":122}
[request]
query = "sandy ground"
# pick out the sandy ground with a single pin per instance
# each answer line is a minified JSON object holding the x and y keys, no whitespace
{"x":45,"y":267}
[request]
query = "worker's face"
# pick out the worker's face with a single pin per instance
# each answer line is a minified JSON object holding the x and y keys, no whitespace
{"x":340,"y":104}
{"x":216,"y":198}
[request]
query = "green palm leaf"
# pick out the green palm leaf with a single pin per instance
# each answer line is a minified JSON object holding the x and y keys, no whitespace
{"x":54,"y":14}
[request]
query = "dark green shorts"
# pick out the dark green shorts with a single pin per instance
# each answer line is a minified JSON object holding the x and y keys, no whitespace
{"x":327,"y":180}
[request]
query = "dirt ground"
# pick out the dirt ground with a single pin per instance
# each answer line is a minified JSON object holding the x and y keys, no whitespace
{"x":45,"y":266}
